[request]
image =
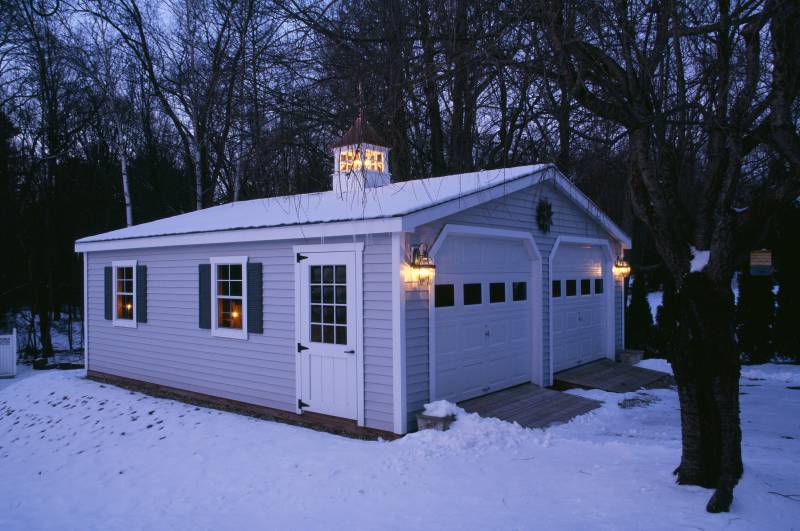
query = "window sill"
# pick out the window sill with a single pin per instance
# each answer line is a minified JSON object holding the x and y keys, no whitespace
{"x":229,"y":333}
{"x":125,"y":323}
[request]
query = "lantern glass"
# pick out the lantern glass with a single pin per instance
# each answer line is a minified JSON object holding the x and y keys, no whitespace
{"x":622,"y":268}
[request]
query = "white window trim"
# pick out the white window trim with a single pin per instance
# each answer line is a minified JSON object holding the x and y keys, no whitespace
{"x":128,"y":323}
{"x":228,"y":332}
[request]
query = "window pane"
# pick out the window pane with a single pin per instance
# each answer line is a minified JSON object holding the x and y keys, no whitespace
{"x":444,"y":295}
{"x":598,"y":286}
{"x":586,"y":286}
{"x":235,"y":287}
{"x":327,"y":274}
{"x":327,"y":314}
{"x":572,"y":286}
{"x":341,"y":294}
{"x":327,"y":294}
{"x":316,"y":294}
{"x":341,"y":335}
{"x":497,"y":292}
{"x":236,"y":271}
{"x":341,"y":315}
{"x":229,"y":313}
{"x":316,"y":274}
{"x":472,"y":294}
{"x":316,"y":313}
{"x":223,"y":287}
{"x":555,"y":289}
{"x":223,"y":272}
{"x":341,"y":274}
{"x":124,"y":306}
{"x":520,"y":291}
{"x":128,"y":286}
{"x":327,"y":334}
{"x":316,"y":333}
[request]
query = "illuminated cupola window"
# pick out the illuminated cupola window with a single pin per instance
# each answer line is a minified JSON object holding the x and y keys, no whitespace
{"x":360,"y":158}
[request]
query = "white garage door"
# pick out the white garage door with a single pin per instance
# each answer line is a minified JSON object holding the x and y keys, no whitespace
{"x":578,"y":306}
{"x":483,"y":336}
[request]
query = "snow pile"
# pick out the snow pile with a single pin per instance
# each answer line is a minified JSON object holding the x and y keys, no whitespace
{"x":788,"y":374}
{"x":699,"y":259}
{"x":441,"y":408}
{"x":78,"y":455}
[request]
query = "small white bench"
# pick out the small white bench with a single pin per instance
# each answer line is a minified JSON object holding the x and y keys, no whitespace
{"x":8,"y":355}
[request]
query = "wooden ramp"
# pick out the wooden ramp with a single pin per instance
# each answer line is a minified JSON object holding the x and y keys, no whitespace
{"x":530,"y":406}
{"x":611,"y":376}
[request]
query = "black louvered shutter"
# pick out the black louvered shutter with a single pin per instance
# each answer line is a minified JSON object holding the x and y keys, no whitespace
{"x":255,"y":298}
{"x":141,"y":294}
{"x":108,"y":295}
{"x":204,"y":295}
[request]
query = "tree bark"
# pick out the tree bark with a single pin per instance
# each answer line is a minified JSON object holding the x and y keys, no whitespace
{"x":123,"y":160}
{"x":706,"y":367}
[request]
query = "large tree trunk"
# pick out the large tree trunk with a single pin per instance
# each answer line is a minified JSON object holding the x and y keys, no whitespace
{"x":706,"y":367}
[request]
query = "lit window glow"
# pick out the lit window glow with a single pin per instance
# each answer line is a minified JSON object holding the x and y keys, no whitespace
{"x":352,"y":160}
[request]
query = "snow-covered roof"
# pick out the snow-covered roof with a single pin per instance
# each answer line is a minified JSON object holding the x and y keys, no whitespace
{"x":303,"y":211}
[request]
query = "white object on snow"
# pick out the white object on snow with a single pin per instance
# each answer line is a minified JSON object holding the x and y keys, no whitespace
{"x":441,"y":408}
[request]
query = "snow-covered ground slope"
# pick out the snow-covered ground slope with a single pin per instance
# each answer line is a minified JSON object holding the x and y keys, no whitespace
{"x":75,"y":454}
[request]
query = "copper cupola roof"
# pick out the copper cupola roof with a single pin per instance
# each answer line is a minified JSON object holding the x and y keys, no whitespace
{"x":359,"y":133}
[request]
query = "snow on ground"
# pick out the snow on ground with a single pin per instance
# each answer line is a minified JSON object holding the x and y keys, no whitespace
{"x":75,"y":454}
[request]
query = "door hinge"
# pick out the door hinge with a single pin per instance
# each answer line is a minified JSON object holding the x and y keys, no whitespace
{"x":301,"y":347}
{"x":301,"y":404}
{"x":300,"y":257}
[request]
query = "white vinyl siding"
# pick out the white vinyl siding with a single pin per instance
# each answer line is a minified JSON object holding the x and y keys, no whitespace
{"x":172,"y":350}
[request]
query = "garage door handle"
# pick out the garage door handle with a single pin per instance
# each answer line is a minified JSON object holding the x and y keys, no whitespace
{"x":349,"y":351}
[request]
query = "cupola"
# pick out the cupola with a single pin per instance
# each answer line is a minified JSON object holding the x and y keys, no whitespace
{"x":360,"y":159}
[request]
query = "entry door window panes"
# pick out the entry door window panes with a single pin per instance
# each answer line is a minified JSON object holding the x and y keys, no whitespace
{"x":598,"y":286}
{"x":229,"y":296}
{"x":497,"y":292}
{"x":519,"y":291}
{"x":472,"y":294}
{"x":328,"y":300}
{"x":586,"y":286}
{"x":125,"y":293}
{"x":444,"y":295}
{"x":572,"y":287}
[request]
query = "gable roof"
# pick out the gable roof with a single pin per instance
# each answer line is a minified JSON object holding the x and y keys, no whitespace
{"x":391,"y":208}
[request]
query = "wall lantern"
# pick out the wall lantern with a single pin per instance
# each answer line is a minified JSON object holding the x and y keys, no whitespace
{"x":622,"y":268}
{"x":422,"y":267}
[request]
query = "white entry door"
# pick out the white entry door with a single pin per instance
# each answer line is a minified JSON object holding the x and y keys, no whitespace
{"x":328,"y":342}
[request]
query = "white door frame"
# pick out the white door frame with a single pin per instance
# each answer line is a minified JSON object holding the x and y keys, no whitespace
{"x":358,"y":249}
{"x":535,"y":294}
{"x":609,"y":287}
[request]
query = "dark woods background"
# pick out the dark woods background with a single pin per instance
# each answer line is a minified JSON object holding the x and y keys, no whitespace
{"x":201,"y":102}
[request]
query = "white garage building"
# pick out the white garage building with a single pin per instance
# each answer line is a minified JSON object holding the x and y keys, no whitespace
{"x":325,"y":305}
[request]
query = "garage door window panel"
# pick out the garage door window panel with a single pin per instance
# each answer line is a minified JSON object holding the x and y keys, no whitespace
{"x":497,"y":292}
{"x":555,"y":290}
{"x":444,"y":295}
{"x":586,"y":286}
{"x":472,"y":294}
{"x":571,"y":286}
{"x":598,"y":286}
{"x":519,"y":291}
